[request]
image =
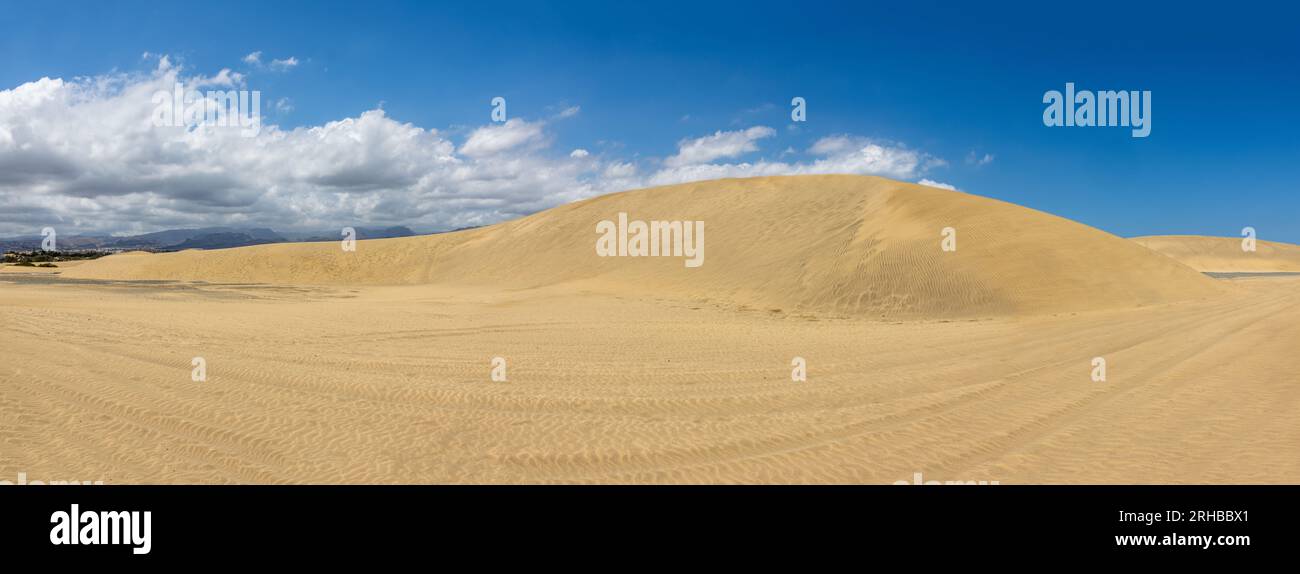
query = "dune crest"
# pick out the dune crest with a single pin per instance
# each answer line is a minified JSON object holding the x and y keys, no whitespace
{"x":1224,"y":254}
{"x":852,"y":245}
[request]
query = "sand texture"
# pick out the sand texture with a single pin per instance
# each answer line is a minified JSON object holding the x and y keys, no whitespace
{"x":374,"y":366}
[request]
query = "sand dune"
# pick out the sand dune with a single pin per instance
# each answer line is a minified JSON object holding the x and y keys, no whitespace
{"x":839,"y":244}
{"x":374,"y":366}
{"x":1225,"y":254}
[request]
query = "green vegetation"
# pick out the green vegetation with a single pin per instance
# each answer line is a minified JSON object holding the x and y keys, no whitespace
{"x":46,"y":258}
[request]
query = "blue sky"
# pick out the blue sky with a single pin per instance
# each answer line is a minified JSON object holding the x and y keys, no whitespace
{"x":953,"y":83}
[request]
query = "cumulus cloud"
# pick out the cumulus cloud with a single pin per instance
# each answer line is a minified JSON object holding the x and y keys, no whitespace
{"x":850,"y":154}
{"x":494,"y":139}
{"x":84,"y":156}
{"x":719,"y":145}
{"x":254,"y":58}
{"x":841,"y":154}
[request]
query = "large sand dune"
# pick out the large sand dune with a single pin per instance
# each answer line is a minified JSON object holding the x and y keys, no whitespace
{"x":374,"y":366}
{"x":1225,"y":254}
{"x":838,"y":244}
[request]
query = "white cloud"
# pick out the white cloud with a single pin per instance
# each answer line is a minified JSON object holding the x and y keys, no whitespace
{"x":284,"y":64}
{"x":83,"y":156}
{"x":851,"y":154}
{"x":832,"y":145}
{"x":840,"y":154}
{"x":719,"y":145}
{"x":620,"y":171}
{"x":494,"y":139}
{"x":570,"y":112}
{"x":224,"y":79}
{"x":254,"y":59}
{"x":940,"y":185}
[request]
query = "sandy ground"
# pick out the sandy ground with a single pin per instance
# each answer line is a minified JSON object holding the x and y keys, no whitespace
{"x":374,"y":366}
{"x":383,"y":385}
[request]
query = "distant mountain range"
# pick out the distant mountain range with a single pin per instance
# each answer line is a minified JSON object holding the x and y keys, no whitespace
{"x":203,"y":238}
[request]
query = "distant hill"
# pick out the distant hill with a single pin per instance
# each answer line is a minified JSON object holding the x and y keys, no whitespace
{"x":364,"y":233}
{"x":223,"y":240}
{"x":174,"y":238}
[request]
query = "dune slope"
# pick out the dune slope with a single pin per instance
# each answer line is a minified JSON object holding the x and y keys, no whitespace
{"x":837,"y":244}
{"x":1225,"y":254}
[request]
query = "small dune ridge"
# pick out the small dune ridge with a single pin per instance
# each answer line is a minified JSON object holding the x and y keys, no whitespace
{"x":1225,"y":254}
{"x":839,"y":244}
